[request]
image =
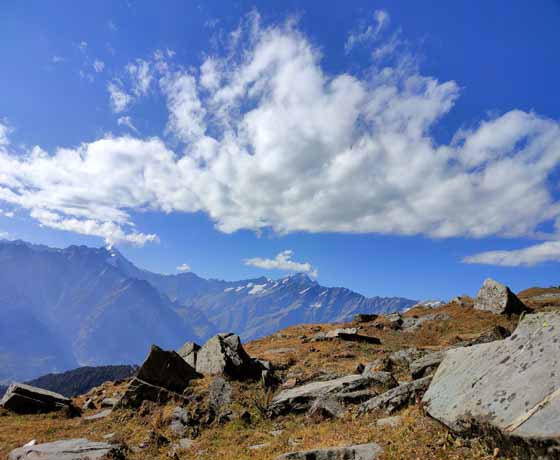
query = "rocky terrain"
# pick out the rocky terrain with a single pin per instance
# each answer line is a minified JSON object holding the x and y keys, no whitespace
{"x":63,"y":308}
{"x":472,"y":379}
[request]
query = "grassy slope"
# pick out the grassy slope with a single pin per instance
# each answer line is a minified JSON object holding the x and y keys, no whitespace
{"x":418,"y":437}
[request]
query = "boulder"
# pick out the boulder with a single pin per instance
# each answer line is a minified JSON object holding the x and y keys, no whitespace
{"x":393,"y":421}
{"x":462,"y":301}
{"x":370,"y":451}
{"x":324,"y":408}
{"x":300,"y":398}
{"x":179,"y":421}
{"x":351,"y":334}
{"x":103,"y":414}
{"x":188,"y":352}
{"x":219,"y":395}
{"x":166,"y":369}
{"x":384,"y":379}
{"x":161,"y":377}
{"x":508,"y":389}
{"x":405,"y":357}
{"x":426,"y":365}
{"x":398,"y":397}
{"x":491,"y":335}
{"x":70,"y":449}
{"x":26,"y":399}
{"x":497,"y":298}
{"x":223,"y":354}
{"x":411,"y":323}
{"x":365,"y":317}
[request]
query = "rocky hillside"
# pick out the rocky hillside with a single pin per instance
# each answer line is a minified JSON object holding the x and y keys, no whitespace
{"x":91,"y":306}
{"x":473,"y":379}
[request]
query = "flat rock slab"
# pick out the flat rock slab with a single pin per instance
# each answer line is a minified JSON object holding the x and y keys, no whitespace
{"x":398,"y":397}
{"x":426,"y":364}
{"x":510,"y":387}
{"x":71,"y":449}
{"x":370,"y":451}
{"x":99,"y":415}
{"x":300,"y":398}
{"x":26,"y":399}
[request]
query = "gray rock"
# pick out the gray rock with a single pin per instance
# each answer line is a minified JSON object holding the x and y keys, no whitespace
{"x":394,"y":321}
{"x":109,"y":402}
{"x":188,"y":352}
{"x":405,"y":357}
{"x":426,"y":365}
{"x":26,"y":399}
{"x":508,"y":388}
{"x":351,"y":334}
{"x":324,"y":408}
{"x":398,"y":397}
{"x":71,"y":449}
{"x":179,"y":421}
{"x":354,"y":397}
{"x":99,"y":415}
{"x":365,"y":317}
{"x":89,"y":404}
{"x":370,"y":451}
{"x":166,"y":369}
{"x":219,"y":395}
{"x":393,"y":421}
{"x":300,"y":398}
{"x":462,"y":301}
{"x":412,"y":323}
{"x":278,"y":351}
{"x":491,"y":335}
{"x":223,"y":354}
{"x":384,"y":379}
{"x":139,"y":391}
{"x":497,"y":298}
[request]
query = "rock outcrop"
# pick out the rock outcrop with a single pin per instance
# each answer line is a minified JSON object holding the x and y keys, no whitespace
{"x":351,"y":334}
{"x":26,"y":399}
{"x":224,"y":355}
{"x":299,"y":399}
{"x":427,"y":364}
{"x":70,"y":449}
{"x":398,"y":397}
{"x":497,"y":298}
{"x":509,"y":388}
{"x":370,"y":451}
{"x":163,"y":372}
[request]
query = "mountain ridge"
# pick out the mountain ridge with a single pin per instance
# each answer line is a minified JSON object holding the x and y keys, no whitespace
{"x":92,"y":306}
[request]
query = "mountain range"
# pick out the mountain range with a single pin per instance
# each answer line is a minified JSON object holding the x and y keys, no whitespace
{"x":82,"y":306}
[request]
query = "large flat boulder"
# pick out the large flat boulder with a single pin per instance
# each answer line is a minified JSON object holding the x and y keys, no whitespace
{"x":27,"y":399}
{"x":369,"y":451}
{"x":427,"y":364}
{"x":223,"y":354}
{"x":398,"y":397}
{"x":497,"y":298}
{"x":299,"y":399}
{"x":509,"y":388}
{"x":70,"y":449}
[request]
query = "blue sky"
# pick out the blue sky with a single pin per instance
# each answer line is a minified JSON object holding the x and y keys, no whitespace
{"x":395,"y":148}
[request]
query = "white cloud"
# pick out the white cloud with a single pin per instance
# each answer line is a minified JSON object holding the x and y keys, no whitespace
{"x":532,"y":255}
{"x":83,"y":45}
{"x":5,"y":130}
{"x":283,"y":261}
{"x":57,"y":59}
{"x":120,"y":99}
{"x":98,"y":65}
{"x":270,"y":140}
{"x":141,"y":76}
{"x":127,"y":121}
{"x":9,"y":214}
{"x":4,"y":235}
{"x":370,"y":32}
{"x":184,"y":268}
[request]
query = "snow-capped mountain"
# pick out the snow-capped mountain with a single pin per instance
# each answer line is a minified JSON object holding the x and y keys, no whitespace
{"x":91,"y":306}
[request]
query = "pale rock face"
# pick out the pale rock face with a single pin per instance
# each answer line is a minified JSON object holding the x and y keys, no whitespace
{"x":71,"y":449}
{"x":497,"y":298}
{"x":370,"y":451}
{"x":510,"y":387}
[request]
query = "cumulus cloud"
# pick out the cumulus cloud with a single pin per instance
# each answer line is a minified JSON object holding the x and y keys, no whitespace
{"x":267,"y":139}
{"x":183,"y":268}
{"x":283,"y":261}
{"x":544,"y":252}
